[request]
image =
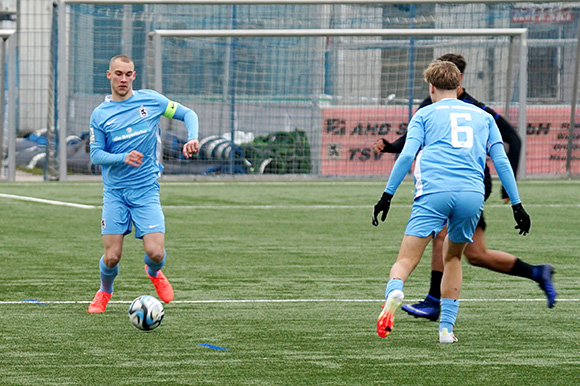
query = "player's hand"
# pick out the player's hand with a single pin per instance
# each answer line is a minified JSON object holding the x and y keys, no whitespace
{"x":522,"y":219}
{"x":382,"y":206}
{"x":190,"y":148}
{"x":134,"y":158}
{"x":380,"y":145}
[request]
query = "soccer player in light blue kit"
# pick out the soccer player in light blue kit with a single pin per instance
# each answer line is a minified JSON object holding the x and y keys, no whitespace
{"x":450,"y":140}
{"x":125,"y":140}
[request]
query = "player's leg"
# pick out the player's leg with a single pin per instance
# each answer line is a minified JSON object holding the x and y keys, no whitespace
{"x":437,"y":254}
{"x":450,"y":289}
{"x":149,"y":224}
{"x":109,"y":264}
{"x":109,"y":269}
{"x":429,"y":307}
{"x":154,"y":246}
{"x":452,"y":273}
{"x":412,"y":248}
{"x":427,"y":219}
{"x":467,"y":208}
{"x":477,"y":254}
{"x":154,"y":261}
{"x":115,"y":224}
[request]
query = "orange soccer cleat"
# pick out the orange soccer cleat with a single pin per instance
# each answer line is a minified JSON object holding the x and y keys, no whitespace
{"x":387,"y":317}
{"x":162,"y":286}
{"x":99,"y":303}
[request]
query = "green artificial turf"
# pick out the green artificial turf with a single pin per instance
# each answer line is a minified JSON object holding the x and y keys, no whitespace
{"x":287,"y":278}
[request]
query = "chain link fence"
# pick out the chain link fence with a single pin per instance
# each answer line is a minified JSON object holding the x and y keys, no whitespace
{"x":288,"y":104}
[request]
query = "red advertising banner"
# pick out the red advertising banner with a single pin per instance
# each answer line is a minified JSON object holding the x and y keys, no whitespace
{"x":542,"y":15}
{"x":548,"y":128}
{"x":349,"y":134}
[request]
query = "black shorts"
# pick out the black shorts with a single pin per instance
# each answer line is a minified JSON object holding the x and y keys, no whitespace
{"x":487,"y":182}
{"x":481,"y":224}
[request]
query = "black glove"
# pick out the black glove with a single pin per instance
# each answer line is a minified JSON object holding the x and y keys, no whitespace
{"x":393,"y":147}
{"x":382,"y":206}
{"x":386,"y":144}
{"x":522,"y":219}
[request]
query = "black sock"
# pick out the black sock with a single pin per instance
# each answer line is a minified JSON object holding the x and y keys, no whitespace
{"x":435,"y":289}
{"x":522,"y":269}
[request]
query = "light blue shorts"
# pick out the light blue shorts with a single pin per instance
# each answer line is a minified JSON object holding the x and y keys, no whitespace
{"x":140,"y":207}
{"x":459,"y":210}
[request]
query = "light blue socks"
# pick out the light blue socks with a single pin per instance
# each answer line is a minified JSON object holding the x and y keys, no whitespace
{"x":393,"y":284}
{"x":153,"y":267}
{"x":108,"y":276}
{"x":449,"y":308}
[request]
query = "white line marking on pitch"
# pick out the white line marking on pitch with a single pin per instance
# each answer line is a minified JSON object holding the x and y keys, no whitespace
{"x":263,"y":207}
{"x":50,"y":202}
{"x":233,"y":301}
{"x":368,"y":206}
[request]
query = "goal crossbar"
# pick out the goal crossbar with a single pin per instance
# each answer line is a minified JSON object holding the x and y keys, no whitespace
{"x":322,"y":32}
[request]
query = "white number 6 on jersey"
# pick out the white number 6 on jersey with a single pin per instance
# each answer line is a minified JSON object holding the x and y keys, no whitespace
{"x":461,"y":136}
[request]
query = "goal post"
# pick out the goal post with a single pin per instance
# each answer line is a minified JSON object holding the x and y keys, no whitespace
{"x":512,"y":41}
{"x":8,"y":107}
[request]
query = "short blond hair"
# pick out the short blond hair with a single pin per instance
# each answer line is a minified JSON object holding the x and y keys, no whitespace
{"x":443,"y":75}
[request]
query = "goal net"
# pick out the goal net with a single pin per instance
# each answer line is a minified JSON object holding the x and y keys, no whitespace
{"x":315,"y":101}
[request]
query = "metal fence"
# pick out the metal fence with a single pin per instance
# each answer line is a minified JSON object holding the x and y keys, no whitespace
{"x":274,"y":104}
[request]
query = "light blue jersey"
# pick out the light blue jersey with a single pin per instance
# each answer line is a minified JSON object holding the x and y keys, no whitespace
{"x":454,"y":137}
{"x":451,"y":140}
{"x":117,"y":128}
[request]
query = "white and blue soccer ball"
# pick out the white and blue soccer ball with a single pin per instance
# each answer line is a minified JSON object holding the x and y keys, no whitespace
{"x":146,"y":313}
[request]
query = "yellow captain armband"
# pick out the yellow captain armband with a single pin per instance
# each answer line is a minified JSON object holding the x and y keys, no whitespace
{"x":171,"y":109}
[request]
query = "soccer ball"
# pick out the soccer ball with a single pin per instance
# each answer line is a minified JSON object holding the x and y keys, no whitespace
{"x":146,"y":312}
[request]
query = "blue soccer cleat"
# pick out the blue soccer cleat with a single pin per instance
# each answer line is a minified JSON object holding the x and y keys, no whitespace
{"x":545,"y":281}
{"x":429,"y":308}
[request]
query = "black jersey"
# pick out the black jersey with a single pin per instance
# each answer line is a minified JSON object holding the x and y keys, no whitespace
{"x":508,"y":133}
